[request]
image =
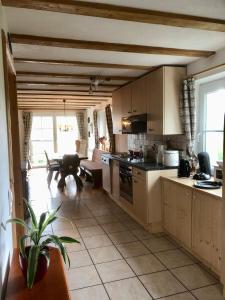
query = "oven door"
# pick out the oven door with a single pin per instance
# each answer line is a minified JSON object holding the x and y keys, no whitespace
{"x":126,"y":186}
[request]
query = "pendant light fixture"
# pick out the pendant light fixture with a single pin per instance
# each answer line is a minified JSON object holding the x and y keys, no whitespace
{"x":64,"y":126}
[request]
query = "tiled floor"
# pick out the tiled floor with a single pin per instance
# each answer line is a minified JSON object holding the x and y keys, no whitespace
{"x":116,"y":258}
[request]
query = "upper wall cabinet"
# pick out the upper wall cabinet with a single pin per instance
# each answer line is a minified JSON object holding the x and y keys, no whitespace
{"x":163,"y":93}
{"x":157,"y":94}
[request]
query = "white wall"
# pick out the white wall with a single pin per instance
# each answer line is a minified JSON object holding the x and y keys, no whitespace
{"x":207,"y":63}
{"x":5,"y":237}
{"x":90,"y":128}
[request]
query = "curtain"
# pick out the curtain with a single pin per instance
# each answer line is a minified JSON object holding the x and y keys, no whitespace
{"x":95,"y":119}
{"x":108,"y":114}
{"x":188,"y":113}
{"x":80,"y":124}
{"x":27,"y":124}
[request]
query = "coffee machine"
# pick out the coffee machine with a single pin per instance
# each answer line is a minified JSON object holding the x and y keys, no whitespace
{"x":204,"y":167}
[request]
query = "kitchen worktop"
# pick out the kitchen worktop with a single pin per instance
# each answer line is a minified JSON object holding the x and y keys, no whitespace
{"x":189,"y":182}
{"x":143,"y":164}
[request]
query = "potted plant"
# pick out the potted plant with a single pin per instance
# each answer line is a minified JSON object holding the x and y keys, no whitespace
{"x":34,"y":259}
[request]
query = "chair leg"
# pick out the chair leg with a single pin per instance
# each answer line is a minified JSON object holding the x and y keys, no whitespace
{"x":49,"y":178}
{"x":56,"y":175}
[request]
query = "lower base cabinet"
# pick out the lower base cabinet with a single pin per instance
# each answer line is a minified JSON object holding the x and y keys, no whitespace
{"x":193,"y":218}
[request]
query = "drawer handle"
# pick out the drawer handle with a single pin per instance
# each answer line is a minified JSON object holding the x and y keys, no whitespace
{"x":129,"y":112}
{"x":134,"y":110}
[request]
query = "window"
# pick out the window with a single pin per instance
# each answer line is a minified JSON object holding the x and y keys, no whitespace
{"x":211,"y":119}
{"x":45,"y":135}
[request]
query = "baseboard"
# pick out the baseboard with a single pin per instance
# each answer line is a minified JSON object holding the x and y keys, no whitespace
{"x":5,"y":280}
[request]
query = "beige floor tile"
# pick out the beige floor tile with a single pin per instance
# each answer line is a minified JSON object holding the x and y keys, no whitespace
{"x":79,"y":259}
{"x":62,"y":225}
{"x":97,"y":241}
{"x":145,"y":264}
{"x":142,"y":234}
{"x":131,"y":225}
{"x":106,"y":219}
{"x":193,"y":276}
{"x":75,"y":246}
{"x":82,"y":277}
{"x":182,"y":296}
{"x":67,"y":232}
{"x":91,"y":293}
{"x":132,"y":249}
{"x":122,"y":237}
{"x":81,"y":215}
{"x":127,"y":289}
{"x":162,"y":284}
{"x":104,"y":254}
{"x":114,"y":227}
{"x":85,"y":222}
{"x":158,"y":244}
{"x":114,"y":270}
{"x":174,"y":258}
{"x":214,"y":292}
{"x":91,"y":231}
{"x":101,"y":212}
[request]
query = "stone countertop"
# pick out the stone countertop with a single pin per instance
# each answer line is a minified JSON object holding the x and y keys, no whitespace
{"x":143,"y":164}
{"x":189,"y":183}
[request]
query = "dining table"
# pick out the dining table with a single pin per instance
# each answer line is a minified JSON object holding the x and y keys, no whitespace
{"x":58,"y":156}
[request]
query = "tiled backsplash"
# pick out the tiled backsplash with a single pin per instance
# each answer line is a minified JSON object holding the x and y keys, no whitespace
{"x":134,"y":141}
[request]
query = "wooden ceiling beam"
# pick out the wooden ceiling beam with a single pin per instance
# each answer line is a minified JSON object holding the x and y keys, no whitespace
{"x":49,"y":108}
{"x":64,"y":92}
{"x":64,"y":84}
{"x":79,"y":64}
{"x":121,"y":13}
{"x":73,"y":76}
{"x":52,"y":101}
{"x":95,"y":45}
{"x":85,"y":98}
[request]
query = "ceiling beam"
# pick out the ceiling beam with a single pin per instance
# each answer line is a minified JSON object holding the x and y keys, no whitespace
{"x":57,"y":101}
{"x":79,"y":64}
{"x":121,"y":13}
{"x":95,"y":45}
{"x":49,"y":108}
{"x":73,"y":76}
{"x":65,"y":84}
{"x":52,"y":97}
{"x":62,"y":92}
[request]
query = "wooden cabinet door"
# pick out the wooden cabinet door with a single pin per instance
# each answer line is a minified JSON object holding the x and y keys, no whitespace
{"x":115,"y":180}
{"x":126,"y":101}
{"x":139,"y":96}
{"x":154,"y":93}
{"x":205,"y":224}
{"x":177,"y":202}
{"x":140,"y":199}
{"x":117,"y":112}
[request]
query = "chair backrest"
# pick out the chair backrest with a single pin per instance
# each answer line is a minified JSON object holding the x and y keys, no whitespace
{"x":77,"y":143}
{"x":47,"y":159}
{"x":83,"y":147}
{"x":70,"y":163}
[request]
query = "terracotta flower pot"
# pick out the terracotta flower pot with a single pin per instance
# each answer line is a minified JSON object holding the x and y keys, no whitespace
{"x":42,"y":267}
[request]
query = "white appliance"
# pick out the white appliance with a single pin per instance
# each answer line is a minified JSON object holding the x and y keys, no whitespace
{"x":106,"y":173}
{"x":171,"y":158}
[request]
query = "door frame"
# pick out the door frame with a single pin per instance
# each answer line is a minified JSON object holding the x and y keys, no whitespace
{"x":15,"y":179}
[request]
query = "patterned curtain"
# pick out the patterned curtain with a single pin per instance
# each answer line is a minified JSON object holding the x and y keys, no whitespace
{"x":80,"y":124}
{"x":27,"y":124}
{"x":95,"y":118}
{"x":108,"y":114}
{"x":188,"y":113}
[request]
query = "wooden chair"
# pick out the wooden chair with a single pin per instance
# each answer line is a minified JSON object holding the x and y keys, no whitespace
{"x":52,"y":166}
{"x":70,"y":166}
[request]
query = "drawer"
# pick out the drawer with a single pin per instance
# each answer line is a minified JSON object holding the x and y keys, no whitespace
{"x":139,"y":173}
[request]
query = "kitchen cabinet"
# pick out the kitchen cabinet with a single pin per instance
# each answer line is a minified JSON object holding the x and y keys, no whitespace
{"x":206,"y":240}
{"x":139,"y":97}
{"x":115,"y":180}
{"x":163,"y":94}
{"x":117,"y":112}
{"x":177,"y":205}
{"x":140,"y":196}
{"x":126,"y":101}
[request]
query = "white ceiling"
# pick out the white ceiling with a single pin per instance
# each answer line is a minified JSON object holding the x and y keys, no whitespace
{"x":60,"y":25}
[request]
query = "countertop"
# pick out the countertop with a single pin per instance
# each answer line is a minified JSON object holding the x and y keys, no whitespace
{"x":142,"y":164}
{"x":189,"y":182}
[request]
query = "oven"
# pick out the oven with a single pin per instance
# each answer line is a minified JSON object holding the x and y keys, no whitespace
{"x":126,"y":186}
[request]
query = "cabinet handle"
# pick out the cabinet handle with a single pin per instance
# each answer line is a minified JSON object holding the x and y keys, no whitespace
{"x":135,"y":110}
{"x":129,"y":112}
{"x":120,"y":130}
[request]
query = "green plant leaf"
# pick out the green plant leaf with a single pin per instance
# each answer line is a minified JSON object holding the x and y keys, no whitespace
{"x":18,"y":221}
{"x":22,"y":245}
{"x":46,"y":242}
{"x":68,"y":240}
{"x":58,"y":243}
{"x":45,"y":252}
{"x":32,"y":265}
{"x":32,"y":214}
{"x":41,"y":220}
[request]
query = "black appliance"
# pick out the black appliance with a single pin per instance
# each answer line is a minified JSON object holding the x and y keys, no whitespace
{"x":184,"y":169}
{"x":134,"y":124}
{"x":126,"y":185}
{"x":204,"y":163}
